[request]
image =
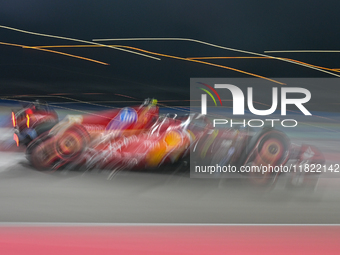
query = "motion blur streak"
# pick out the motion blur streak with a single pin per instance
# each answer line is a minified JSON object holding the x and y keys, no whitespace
{"x":67,"y":98}
{"x":325,"y":68}
{"x":70,"y":55}
{"x":125,"y":96}
{"x":192,"y":60}
{"x":213,"y":45}
{"x":134,"y":101}
{"x":207,"y":63}
{"x":75,"y":40}
{"x":113,"y":107}
{"x":167,"y":239}
{"x":57,"y":106}
{"x":52,"y":51}
{"x":307,"y":51}
{"x":58,"y":95}
{"x":230,"y":58}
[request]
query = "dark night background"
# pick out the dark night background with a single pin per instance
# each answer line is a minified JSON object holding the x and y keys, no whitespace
{"x":248,"y":25}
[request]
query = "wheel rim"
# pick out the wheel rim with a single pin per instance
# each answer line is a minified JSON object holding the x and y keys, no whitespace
{"x":69,"y":144}
{"x":271,"y":152}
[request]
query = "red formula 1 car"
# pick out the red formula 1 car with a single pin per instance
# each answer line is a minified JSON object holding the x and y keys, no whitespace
{"x":137,"y":137}
{"x":166,"y":141}
{"x":67,"y":140}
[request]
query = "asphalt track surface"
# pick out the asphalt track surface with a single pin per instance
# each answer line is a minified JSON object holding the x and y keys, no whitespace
{"x":27,"y":195}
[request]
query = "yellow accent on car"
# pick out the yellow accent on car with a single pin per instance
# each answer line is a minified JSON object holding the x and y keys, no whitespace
{"x":173,"y":139}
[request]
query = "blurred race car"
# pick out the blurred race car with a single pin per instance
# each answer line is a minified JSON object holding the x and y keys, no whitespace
{"x":172,"y":139}
{"x":166,"y":141}
{"x":138,"y":138}
{"x":67,"y":140}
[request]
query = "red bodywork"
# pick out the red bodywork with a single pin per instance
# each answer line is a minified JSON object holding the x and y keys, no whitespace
{"x":98,"y":123}
{"x":67,"y":141}
{"x":137,"y":137}
{"x":164,"y":142}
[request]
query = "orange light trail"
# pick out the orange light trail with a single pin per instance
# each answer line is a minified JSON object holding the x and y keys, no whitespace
{"x":302,"y":51}
{"x":174,"y":57}
{"x":125,"y":96}
{"x":297,"y":61}
{"x":324,"y":68}
{"x":197,"y":58}
{"x":215,"y":46}
{"x":59,"y":94}
{"x":52,"y":51}
{"x":226,"y":57}
{"x":74,"y":40}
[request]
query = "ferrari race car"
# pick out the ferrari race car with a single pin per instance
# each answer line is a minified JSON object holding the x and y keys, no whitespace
{"x":67,"y":140}
{"x":138,"y":137}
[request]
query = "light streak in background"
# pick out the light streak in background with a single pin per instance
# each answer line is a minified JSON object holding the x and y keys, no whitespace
{"x":302,"y":51}
{"x":188,"y":59}
{"x":198,"y":58}
{"x":216,"y":46}
{"x":62,"y":97}
{"x":166,"y":106}
{"x":325,"y":68}
{"x":52,"y":51}
{"x":58,"y":106}
{"x":125,"y":96}
{"x":58,"y":95}
{"x":135,"y":100}
{"x":75,"y":40}
{"x":175,"y":57}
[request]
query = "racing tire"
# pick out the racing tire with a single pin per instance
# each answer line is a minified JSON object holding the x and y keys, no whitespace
{"x":269,"y":148}
{"x":41,"y":155}
{"x":71,"y":143}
